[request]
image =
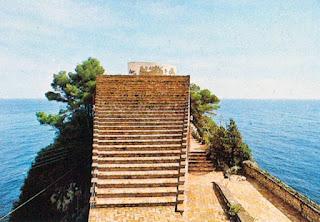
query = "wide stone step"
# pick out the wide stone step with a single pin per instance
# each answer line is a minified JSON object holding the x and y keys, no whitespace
{"x":198,"y":156}
{"x":132,"y":160}
{"x":133,"y":91}
{"x":137,"y":167}
{"x":204,"y":159}
{"x":147,"y":80}
{"x":201,"y":166}
{"x":170,"y":173}
{"x":138,"y":148}
{"x":141,"y":103}
{"x":200,"y":171}
{"x":143,"y":88}
{"x":144,"y":106}
{"x":146,"y":94}
{"x":102,"y":123}
{"x":136,"y":202}
{"x":136,"y":192}
{"x":198,"y":159}
{"x":142,"y":93}
{"x":138,"y":132}
{"x":135,"y":127}
{"x":125,"y":146}
{"x":197,"y":153}
{"x":126,"y":118}
{"x":100,"y":110}
{"x":131,"y":83}
{"x":140,"y":100}
{"x":140,"y":119}
{"x":142,"y":153}
{"x":198,"y":168}
{"x":128,"y":147}
{"x":137,"y":174}
{"x":141,"y":107}
{"x":135,"y":183}
{"x":135,"y":137}
{"x":137,"y":142}
{"x":151,"y":81}
{"x":141,"y":115}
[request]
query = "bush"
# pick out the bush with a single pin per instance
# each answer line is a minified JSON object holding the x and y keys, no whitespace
{"x":234,"y":209}
{"x":74,"y":127}
{"x":203,"y":103}
{"x":226,"y":146}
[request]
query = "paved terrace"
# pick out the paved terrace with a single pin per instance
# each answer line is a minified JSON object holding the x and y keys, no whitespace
{"x":202,"y":204}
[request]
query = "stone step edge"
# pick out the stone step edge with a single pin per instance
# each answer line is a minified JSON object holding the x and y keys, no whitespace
{"x":140,"y":194}
{"x":135,"y":204}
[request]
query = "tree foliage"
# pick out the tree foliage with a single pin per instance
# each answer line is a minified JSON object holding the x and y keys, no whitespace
{"x":227,"y":147}
{"x":75,"y":89}
{"x":71,"y":149}
{"x":75,"y":143}
{"x":203,"y":104}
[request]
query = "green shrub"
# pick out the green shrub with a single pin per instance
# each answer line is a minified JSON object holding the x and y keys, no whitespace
{"x":226,"y":146}
{"x":234,"y":209}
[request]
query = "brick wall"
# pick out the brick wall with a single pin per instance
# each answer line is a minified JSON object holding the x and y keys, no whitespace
{"x":307,"y":208}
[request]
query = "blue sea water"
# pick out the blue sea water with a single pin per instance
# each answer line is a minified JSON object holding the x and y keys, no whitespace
{"x":21,"y":137}
{"x":284,"y":136}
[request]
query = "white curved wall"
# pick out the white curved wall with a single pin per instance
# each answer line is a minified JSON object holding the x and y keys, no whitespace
{"x":151,"y":68}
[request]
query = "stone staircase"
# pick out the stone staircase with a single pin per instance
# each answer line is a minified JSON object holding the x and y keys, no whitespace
{"x":198,"y":162}
{"x":140,"y":141}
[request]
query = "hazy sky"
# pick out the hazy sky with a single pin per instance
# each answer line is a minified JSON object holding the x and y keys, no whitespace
{"x":237,"y":48}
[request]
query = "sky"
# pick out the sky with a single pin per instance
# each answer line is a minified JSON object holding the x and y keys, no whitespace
{"x":236,"y":48}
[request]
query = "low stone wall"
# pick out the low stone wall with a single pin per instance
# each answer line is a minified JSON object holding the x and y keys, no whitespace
{"x":227,"y":199}
{"x":307,"y":208}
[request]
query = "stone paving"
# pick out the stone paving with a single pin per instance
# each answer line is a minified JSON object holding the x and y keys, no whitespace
{"x":202,"y":204}
{"x":135,"y":214}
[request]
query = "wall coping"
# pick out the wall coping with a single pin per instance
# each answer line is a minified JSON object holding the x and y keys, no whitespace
{"x":227,"y":198}
{"x":276,"y":181}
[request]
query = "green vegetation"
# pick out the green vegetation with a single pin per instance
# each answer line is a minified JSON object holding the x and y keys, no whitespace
{"x":69,"y":155}
{"x":76,"y":90}
{"x":225,"y":144}
{"x":203,"y":104}
{"x":234,"y":209}
{"x":227,"y":148}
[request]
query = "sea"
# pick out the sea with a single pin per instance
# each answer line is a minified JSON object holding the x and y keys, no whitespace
{"x":284,"y":136}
